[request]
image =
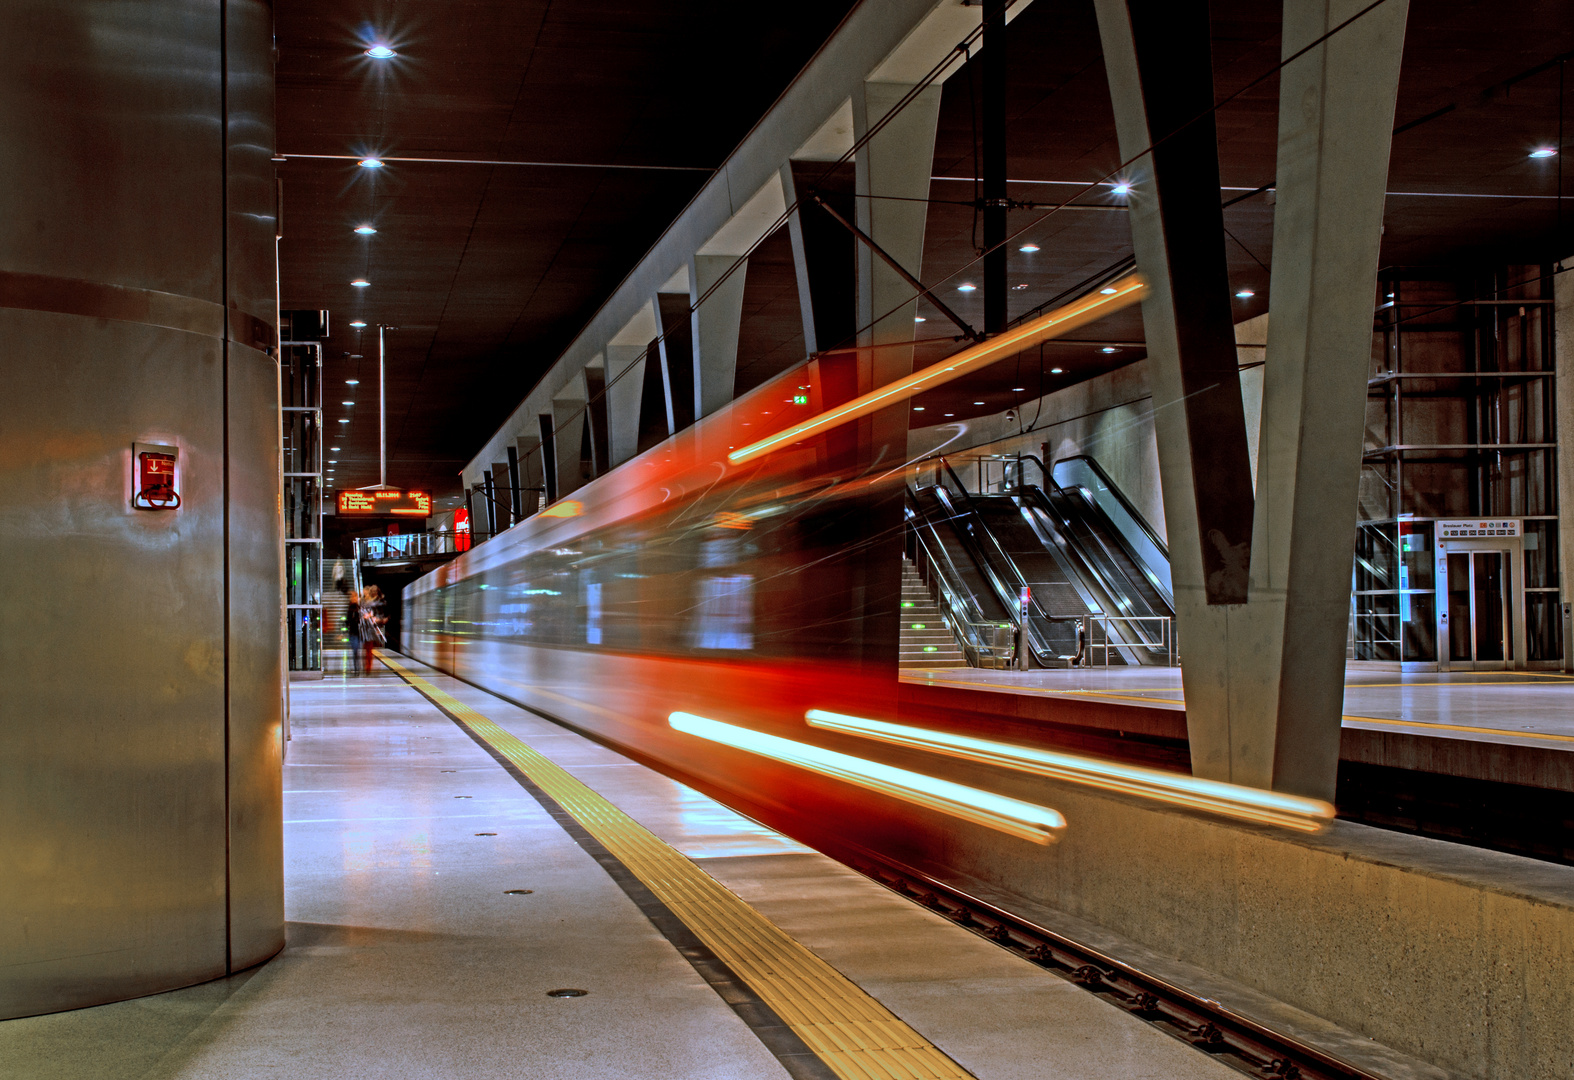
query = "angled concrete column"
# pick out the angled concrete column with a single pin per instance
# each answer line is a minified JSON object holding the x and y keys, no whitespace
{"x":1264,"y":679}
{"x":502,"y":488}
{"x":596,"y":413}
{"x":568,"y":422}
{"x":625,"y":358}
{"x":548,"y":456}
{"x":714,"y":327}
{"x":528,"y":448}
{"x":895,"y":163}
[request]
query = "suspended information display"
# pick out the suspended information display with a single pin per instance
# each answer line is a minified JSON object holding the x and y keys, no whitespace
{"x":408,"y":503}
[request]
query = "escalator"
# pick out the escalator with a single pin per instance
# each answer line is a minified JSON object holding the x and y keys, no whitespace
{"x":1086,"y":557}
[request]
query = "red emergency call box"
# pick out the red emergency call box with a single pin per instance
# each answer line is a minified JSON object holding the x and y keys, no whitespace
{"x":154,"y":479}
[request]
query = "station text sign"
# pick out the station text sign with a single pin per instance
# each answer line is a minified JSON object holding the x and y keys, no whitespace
{"x":1477,"y":528}
{"x":408,"y":503}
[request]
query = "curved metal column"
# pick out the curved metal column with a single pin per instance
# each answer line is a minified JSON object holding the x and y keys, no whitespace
{"x":140,"y":761}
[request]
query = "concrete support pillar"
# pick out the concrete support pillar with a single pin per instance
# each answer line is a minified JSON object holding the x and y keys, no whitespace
{"x":503,"y":489}
{"x":1563,"y":364}
{"x":548,"y":456}
{"x":568,"y":426}
{"x":714,"y":328}
{"x":596,"y":414}
{"x":1264,"y":679}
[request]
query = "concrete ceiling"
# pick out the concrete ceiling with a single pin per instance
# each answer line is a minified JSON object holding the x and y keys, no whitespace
{"x":489,"y":270}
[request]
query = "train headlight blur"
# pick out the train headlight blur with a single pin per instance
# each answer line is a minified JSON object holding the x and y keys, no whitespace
{"x":1000,"y":812}
{"x":1214,"y":796}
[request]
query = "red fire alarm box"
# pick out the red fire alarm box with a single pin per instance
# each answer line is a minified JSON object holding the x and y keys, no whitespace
{"x":154,"y":481}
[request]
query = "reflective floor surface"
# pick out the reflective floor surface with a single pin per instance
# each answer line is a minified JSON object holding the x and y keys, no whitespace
{"x":410,"y":956}
{"x":1536,"y":707}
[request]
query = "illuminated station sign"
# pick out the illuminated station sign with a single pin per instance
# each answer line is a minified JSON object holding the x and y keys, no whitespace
{"x":409,"y":503}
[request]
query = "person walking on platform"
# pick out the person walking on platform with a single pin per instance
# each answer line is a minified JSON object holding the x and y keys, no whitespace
{"x":373,"y":620}
{"x":352,"y":626}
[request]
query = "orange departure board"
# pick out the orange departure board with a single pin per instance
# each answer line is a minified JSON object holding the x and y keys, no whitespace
{"x":407,"y":503}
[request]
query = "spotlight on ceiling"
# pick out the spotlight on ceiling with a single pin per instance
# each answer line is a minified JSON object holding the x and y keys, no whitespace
{"x":358,"y":324}
{"x":1544,"y":152}
{"x":966,"y":286}
{"x":360,"y":283}
{"x":370,"y":163}
{"x":1052,"y":371}
{"x":365,"y":230}
{"x":352,"y":382}
{"x":1109,"y":349}
{"x":978,"y":403}
{"x":919,"y":318}
{"x":1029,"y":248}
{"x":344,"y":421}
{"x":1019,"y":389}
{"x":1108,"y":290}
{"x":335,"y":449}
{"x":1245,"y":294}
{"x":918,"y":408}
{"x":381,"y":52}
{"x":1121,"y":188}
{"x":346,"y":403}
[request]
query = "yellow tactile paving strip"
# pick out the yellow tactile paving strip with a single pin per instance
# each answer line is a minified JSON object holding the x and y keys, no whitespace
{"x":854,"y":1034}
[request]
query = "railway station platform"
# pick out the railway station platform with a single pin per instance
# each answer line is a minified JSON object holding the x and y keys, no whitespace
{"x":473,"y":891}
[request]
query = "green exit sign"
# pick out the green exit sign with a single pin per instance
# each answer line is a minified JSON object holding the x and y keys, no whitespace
{"x":800,"y":399}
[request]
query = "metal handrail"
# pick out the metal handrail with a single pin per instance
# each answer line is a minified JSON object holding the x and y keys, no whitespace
{"x":958,"y":613}
{"x":404,"y":546}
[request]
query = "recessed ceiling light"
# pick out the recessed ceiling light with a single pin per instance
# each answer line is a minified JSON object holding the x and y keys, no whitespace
{"x":1109,"y":349}
{"x":365,"y":230}
{"x":358,"y":324}
{"x":352,"y":382}
{"x":1029,"y":248}
{"x":381,"y":52}
{"x":950,"y":414}
{"x":1108,"y":290}
{"x":919,"y":318}
{"x":344,"y":421}
{"x":355,"y":356}
{"x":333,"y":461}
{"x":966,"y":286}
{"x":1121,"y":188}
{"x":918,"y":408}
{"x":1018,"y":389}
{"x":1245,"y":294}
{"x":1052,"y":371}
{"x":1544,"y":151}
{"x":360,"y":283}
{"x":370,"y":163}
{"x":335,"y":449}
{"x":346,"y":403}
{"x":978,"y":403}
{"x":1019,"y":287}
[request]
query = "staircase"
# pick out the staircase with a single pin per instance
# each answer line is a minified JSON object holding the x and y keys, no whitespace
{"x":334,"y":633}
{"x":926,"y":641}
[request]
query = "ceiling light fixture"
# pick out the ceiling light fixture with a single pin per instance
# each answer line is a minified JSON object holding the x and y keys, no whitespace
{"x":1019,"y":287}
{"x":1109,"y":349}
{"x":1052,"y":371}
{"x":966,"y":286}
{"x":352,"y":382}
{"x":978,"y":403}
{"x":1029,"y":248}
{"x":918,"y":408}
{"x":1108,"y":290}
{"x":365,"y":230}
{"x":360,"y":283}
{"x":1122,"y":188}
{"x":370,"y":163}
{"x":381,"y":52}
{"x":1018,"y":389}
{"x":1544,"y":152}
{"x":346,"y":403}
{"x":1245,"y":294}
{"x":344,"y":421}
{"x":358,"y":324}
{"x":335,"y":449}
{"x":919,"y":318}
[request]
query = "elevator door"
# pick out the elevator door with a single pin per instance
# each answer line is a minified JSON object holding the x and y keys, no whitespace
{"x":1478,"y":625}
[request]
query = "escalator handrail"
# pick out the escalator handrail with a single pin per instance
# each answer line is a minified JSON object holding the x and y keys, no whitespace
{"x":949,"y":573}
{"x":1114,"y":489}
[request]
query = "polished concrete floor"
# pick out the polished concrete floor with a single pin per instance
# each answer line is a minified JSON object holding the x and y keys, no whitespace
{"x":409,"y":957}
{"x":1527,"y":706}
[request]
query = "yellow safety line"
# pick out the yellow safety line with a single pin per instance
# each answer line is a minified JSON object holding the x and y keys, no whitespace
{"x":1460,"y":727}
{"x":859,"y":1038}
{"x":1004,"y":688}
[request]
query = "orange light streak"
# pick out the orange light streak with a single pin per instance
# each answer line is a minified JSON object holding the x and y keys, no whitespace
{"x":1000,"y":812}
{"x":566,"y":509}
{"x":1214,"y":796}
{"x":1128,"y":290}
